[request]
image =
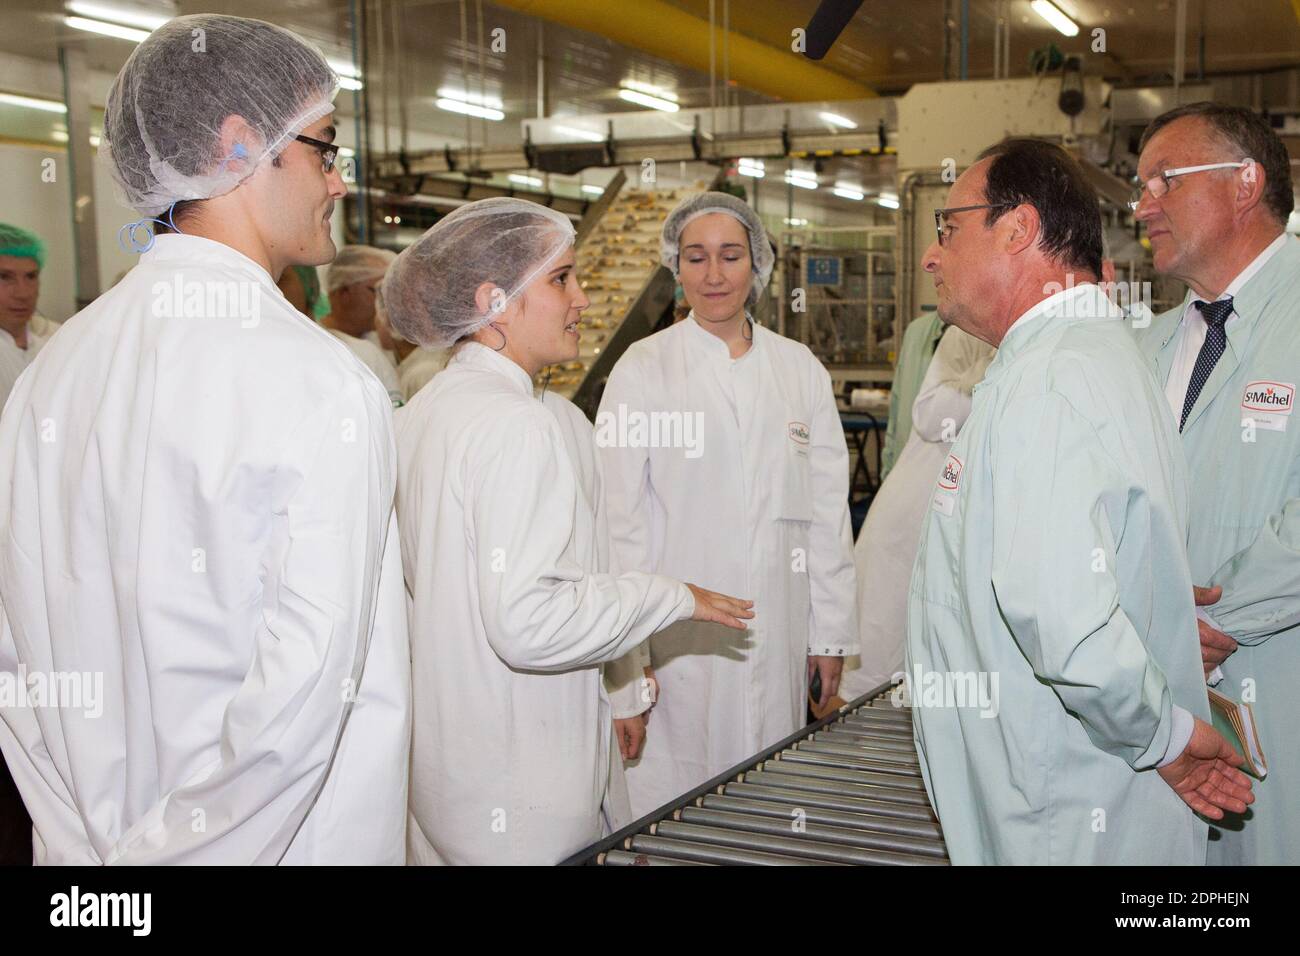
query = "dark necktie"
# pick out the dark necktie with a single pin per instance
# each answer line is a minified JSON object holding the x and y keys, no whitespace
{"x":1216,"y":340}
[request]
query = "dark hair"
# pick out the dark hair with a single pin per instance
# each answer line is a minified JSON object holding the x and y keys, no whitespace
{"x":1247,"y":134}
{"x":1043,"y":175}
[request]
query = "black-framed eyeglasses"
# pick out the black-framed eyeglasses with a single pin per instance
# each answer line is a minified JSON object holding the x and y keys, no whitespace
{"x":329,"y":153}
{"x":941,"y":216}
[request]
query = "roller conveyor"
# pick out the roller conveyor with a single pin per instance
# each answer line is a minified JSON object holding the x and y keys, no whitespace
{"x":846,"y":790}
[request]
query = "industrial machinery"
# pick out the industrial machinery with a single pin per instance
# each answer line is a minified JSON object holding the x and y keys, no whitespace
{"x":846,"y":790}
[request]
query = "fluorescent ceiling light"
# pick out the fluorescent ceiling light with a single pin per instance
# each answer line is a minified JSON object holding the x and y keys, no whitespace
{"x":1048,"y":11}
{"x":343,"y":68}
{"x":458,"y":106}
{"x":127,"y":17}
{"x":835,"y":119}
{"x":106,"y":29}
{"x":475,"y":99}
{"x":801,"y":179}
{"x":32,"y":103}
{"x":348,"y":83}
{"x":848,"y":192}
{"x":593,"y":190}
{"x":753,"y":168}
{"x":645,"y":99}
{"x":523,"y":180}
{"x":649,"y":89}
{"x":796,"y":222}
{"x":889,"y":202}
{"x":584,"y":134}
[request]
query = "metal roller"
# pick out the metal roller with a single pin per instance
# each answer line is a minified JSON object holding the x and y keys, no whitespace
{"x":877,"y":741}
{"x":848,"y":763}
{"x":845,"y":790}
{"x":866,"y":778}
{"x":707,"y":853}
{"x":786,"y":845}
{"x":758,"y":824}
{"x":831,"y":801}
{"x":887,"y":723}
{"x":624,"y":858}
{"x":926,"y":834}
{"x":887,"y":757}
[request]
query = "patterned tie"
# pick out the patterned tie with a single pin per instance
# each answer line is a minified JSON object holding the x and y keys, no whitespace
{"x":1216,"y":340}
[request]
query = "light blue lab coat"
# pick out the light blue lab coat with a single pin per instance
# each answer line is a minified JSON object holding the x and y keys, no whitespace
{"x":914,"y":356}
{"x":1052,"y":561}
{"x":1245,"y":534}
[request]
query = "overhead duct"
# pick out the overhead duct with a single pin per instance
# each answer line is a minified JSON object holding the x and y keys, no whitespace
{"x":665,"y":31}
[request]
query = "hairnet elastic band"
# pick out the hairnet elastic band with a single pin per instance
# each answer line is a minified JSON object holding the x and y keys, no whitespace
{"x":29,"y":251}
{"x":139,"y":246}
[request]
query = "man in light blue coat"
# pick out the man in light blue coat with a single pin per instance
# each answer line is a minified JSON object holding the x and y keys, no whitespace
{"x":1215,"y":196}
{"x":1059,"y":707}
{"x":914,"y":356}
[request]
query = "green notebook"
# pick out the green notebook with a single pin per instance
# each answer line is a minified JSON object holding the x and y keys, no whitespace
{"x":1236,"y":721}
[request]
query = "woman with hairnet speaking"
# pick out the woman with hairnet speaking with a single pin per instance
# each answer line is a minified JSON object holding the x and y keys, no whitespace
{"x":510,"y":618}
{"x":755,"y":504}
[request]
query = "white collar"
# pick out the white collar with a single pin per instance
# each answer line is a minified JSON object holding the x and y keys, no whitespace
{"x":711,"y":341}
{"x":477,"y":355}
{"x":171,"y":247}
{"x":1069,"y":301}
{"x":1236,"y":285}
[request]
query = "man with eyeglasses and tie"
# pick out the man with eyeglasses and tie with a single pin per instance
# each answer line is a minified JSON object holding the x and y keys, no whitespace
{"x":1215,"y":194}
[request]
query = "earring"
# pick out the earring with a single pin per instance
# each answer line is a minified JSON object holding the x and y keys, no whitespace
{"x":493,"y":326}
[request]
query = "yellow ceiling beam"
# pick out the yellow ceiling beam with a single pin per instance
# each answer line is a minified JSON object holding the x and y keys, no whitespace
{"x":666,"y":31}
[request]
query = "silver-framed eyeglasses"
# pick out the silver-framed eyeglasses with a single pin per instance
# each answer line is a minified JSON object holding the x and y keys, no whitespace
{"x":1158,"y":185}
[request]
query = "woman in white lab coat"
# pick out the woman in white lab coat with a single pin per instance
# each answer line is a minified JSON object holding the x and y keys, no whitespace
{"x":510,"y":620}
{"x":891,"y":534}
{"x":724,"y":461}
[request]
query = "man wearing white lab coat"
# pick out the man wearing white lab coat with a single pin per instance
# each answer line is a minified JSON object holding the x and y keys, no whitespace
{"x":196,"y":521}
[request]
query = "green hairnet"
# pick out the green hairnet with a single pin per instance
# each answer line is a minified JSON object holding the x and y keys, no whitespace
{"x":18,"y":242}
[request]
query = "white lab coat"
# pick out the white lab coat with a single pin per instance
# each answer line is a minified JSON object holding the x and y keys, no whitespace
{"x":509,"y":622}
{"x":14,"y":361}
{"x":376,"y":359}
{"x":198,"y":508}
{"x":628,"y":694}
{"x":414,"y":371}
{"x":758,"y":510}
{"x":888,"y":541}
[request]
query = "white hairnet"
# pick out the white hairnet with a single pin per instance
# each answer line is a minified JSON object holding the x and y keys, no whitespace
{"x":429,"y":293}
{"x":761,"y":256}
{"x":356,"y":264}
{"x":164,"y":113}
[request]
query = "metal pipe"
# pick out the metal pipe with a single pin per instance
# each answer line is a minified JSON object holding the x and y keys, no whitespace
{"x":923,"y":830}
{"x":848,"y":782}
{"x":830,"y":801}
{"x":751,"y":822}
{"x":623,"y":858}
{"x":965,"y":39}
{"x":1180,"y":44}
{"x":855,"y":764}
{"x":704,"y":853}
{"x":784,"y":845}
{"x":877,"y":741}
{"x":861,"y":750}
